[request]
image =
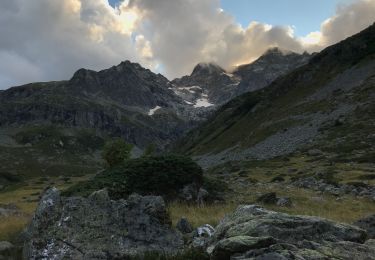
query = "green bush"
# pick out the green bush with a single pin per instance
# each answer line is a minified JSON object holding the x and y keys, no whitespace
{"x":116,"y":152}
{"x":164,"y":175}
{"x":150,"y":150}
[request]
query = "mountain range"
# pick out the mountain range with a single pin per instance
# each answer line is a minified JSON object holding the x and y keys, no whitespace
{"x":326,"y":104}
{"x":270,"y":107}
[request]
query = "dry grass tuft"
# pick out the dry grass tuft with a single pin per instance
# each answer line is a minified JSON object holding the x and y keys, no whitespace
{"x":199,"y":215}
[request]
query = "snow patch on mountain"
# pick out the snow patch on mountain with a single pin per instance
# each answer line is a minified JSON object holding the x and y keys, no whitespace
{"x":203,"y":102}
{"x":153,"y":110}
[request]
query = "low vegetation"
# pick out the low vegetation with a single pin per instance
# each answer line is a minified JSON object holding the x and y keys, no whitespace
{"x":25,"y":197}
{"x":116,"y":152}
{"x":163,"y":175}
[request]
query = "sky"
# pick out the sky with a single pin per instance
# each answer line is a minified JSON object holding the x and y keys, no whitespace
{"x":44,"y":40}
{"x":280,"y":12}
{"x":284,"y":12}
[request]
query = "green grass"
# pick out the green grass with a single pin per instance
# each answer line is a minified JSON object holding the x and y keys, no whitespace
{"x":26,"y":197}
{"x":346,"y":210}
{"x":199,"y":215}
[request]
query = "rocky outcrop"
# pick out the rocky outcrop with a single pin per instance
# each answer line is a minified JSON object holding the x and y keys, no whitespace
{"x":356,"y":189}
{"x":98,"y":228}
{"x":252,"y":232}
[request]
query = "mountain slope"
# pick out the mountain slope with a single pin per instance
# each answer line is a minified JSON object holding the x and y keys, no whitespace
{"x":117,"y":101}
{"x":302,"y":109}
{"x":268,"y":67}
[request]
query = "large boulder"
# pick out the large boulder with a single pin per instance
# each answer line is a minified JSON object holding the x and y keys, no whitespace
{"x":184,"y":226}
{"x":253,"y":232}
{"x":99,"y":228}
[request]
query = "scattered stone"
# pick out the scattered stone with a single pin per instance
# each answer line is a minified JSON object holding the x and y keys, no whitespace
{"x":314,"y":152}
{"x":284,"y":202}
{"x":268,"y":198}
{"x":205,"y":231}
{"x":353,"y":188}
{"x":192,"y":193}
{"x":202,"y":196}
{"x":99,"y":228}
{"x":202,"y":236}
{"x":7,"y":210}
{"x":184,"y":226}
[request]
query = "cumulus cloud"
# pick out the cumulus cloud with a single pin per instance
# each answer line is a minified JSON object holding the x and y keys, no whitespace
{"x":348,"y":20}
{"x":49,"y":40}
{"x":183,"y":33}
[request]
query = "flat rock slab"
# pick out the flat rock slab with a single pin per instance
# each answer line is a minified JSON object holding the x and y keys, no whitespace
{"x":252,"y":232}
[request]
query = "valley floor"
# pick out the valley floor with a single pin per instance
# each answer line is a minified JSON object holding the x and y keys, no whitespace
{"x":246,"y":182}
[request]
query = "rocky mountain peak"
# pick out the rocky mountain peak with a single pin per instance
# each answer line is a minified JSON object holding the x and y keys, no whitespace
{"x":276,"y":51}
{"x":128,"y":83}
{"x":210,"y":81}
{"x":82,"y":74}
{"x":207,"y":68}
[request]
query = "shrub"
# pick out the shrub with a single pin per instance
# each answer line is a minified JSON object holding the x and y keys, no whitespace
{"x":150,"y":150}
{"x":164,"y":175}
{"x":116,"y":151}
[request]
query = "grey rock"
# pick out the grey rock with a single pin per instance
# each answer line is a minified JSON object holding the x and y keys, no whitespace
{"x":205,"y":231}
{"x":268,"y":198}
{"x":314,"y":152}
{"x":7,"y":210}
{"x":284,"y":202}
{"x":287,"y":237}
{"x":193,"y":193}
{"x":239,"y":244}
{"x":184,"y":226}
{"x":202,"y":235}
{"x":98,"y":228}
{"x":202,"y":196}
{"x":189,"y":193}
